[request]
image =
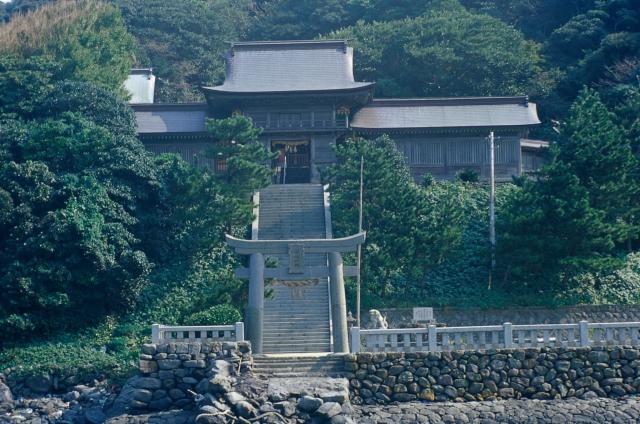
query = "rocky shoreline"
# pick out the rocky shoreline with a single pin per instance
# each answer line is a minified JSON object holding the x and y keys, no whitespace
{"x":599,"y":410}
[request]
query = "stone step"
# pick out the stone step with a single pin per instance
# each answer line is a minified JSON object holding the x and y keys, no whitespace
{"x":292,"y":328}
{"x":310,"y":310}
{"x":295,"y":335}
{"x":334,"y":365}
{"x":296,"y":348}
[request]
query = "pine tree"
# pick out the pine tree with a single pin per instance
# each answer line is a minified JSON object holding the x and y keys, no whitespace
{"x":599,"y":153}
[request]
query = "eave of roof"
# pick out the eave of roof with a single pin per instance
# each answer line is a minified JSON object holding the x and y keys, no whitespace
{"x":220,"y":90}
{"x":156,"y":107}
{"x":288,"y":43}
{"x":440,"y":113}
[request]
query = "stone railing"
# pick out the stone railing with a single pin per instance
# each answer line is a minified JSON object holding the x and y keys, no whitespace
{"x":197,"y":333}
{"x":505,"y":336}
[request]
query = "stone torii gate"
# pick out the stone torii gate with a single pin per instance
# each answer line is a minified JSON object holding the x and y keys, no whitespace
{"x":297,"y":270}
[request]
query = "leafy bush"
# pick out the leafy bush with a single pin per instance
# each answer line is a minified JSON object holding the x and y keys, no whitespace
{"x":64,"y":359}
{"x":216,"y":315}
{"x":468,"y":176}
{"x":618,"y":287}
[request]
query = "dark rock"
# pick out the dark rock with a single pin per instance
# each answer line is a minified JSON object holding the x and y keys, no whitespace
{"x":143,"y":395}
{"x":160,"y":404}
{"x":176,"y":394}
{"x":39,"y":383}
{"x":169,"y":364}
{"x":148,"y":383}
{"x":95,"y":415}
{"x":245,"y":409}
{"x":309,"y":403}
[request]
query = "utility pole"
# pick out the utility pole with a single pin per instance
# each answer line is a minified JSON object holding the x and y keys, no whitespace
{"x":492,"y":204}
{"x":359,"y":245}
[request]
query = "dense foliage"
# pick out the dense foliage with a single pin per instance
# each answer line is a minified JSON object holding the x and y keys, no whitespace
{"x":459,"y":54}
{"x":184,"y":41}
{"x":86,"y":37}
{"x":410,"y":229}
{"x":581,"y":214}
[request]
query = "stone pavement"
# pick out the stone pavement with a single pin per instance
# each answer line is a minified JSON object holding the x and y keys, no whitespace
{"x":598,"y":410}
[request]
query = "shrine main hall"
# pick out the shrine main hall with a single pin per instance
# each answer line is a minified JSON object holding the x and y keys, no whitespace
{"x":304,"y":97}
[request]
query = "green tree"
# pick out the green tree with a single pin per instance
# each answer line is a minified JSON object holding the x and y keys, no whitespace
{"x":585,"y":202}
{"x":299,"y":19}
{"x":86,"y":37}
{"x":548,"y":230}
{"x":463,"y":54}
{"x":185,"y":41}
{"x":74,"y":183}
{"x":247,"y":160}
{"x":410,"y":229}
{"x":599,"y":153}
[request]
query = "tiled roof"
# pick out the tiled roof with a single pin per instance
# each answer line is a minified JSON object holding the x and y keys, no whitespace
{"x":289,"y":66}
{"x":170,"y":118}
{"x":446,"y":113}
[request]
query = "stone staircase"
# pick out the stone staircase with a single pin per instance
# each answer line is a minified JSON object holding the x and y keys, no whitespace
{"x":292,"y":366}
{"x":296,"y":313}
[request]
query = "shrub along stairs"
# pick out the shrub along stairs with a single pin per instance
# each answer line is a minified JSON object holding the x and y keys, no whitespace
{"x":296,"y":313}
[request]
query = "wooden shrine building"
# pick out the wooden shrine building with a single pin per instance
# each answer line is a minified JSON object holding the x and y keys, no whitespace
{"x":304,"y":96}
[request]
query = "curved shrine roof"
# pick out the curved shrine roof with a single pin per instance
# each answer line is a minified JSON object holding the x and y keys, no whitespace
{"x":289,"y":66}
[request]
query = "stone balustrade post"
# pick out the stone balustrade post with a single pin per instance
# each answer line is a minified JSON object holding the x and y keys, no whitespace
{"x":338,"y":304}
{"x":255,"y":307}
{"x":584,"y":333}
{"x":155,"y":333}
{"x":508,"y":335}
{"x":355,"y":339}
{"x":433,"y":338}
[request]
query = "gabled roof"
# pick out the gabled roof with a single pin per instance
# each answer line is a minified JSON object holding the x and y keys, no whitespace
{"x":161,"y":118}
{"x":289,"y":66}
{"x":446,"y":113}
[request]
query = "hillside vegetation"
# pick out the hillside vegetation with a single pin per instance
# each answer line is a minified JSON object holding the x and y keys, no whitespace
{"x":99,"y":239}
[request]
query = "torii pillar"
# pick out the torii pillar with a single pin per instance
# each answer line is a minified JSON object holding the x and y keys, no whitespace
{"x":297,"y":270}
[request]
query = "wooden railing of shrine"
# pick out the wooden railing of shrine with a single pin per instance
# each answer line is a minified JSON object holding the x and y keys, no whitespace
{"x":197,"y":333}
{"x":505,"y":336}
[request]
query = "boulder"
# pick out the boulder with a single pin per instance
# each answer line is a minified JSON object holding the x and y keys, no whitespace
{"x":234,"y":397}
{"x":221,"y":368}
{"x":143,"y":395}
{"x":329,"y":409}
{"x":286,"y":408}
{"x":245,"y":409}
{"x":5,"y":394}
{"x":219,"y":384}
{"x":309,"y":403}
{"x":149,"y":349}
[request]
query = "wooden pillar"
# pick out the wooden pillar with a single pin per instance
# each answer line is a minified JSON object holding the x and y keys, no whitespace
{"x":338,"y":304}
{"x":255,"y":308}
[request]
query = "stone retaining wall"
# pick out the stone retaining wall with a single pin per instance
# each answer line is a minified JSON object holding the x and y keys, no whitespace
{"x":547,"y":373}
{"x":172,"y":372}
{"x":452,"y":317}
